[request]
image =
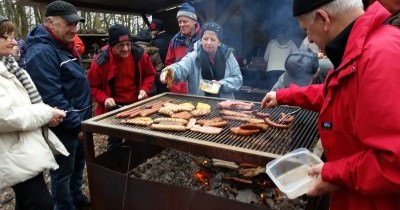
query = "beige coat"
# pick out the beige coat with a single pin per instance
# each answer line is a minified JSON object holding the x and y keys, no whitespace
{"x":24,"y":152}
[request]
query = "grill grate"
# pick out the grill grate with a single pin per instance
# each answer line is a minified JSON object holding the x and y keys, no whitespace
{"x":301,"y":133}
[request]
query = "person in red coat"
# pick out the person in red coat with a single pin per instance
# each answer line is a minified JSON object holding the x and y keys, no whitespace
{"x":183,"y":42}
{"x":121,"y":74}
{"x":359,"y":118}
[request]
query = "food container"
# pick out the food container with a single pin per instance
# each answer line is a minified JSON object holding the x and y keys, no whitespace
{"x":209,"y":87}
{"x":290,"y":172}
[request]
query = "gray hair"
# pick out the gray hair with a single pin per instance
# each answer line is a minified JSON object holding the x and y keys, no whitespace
{"x":51,"y":18}
{"x":335,"y":8}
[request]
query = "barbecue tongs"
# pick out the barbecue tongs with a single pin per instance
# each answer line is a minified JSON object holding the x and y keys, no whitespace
{"x":288,"y":115}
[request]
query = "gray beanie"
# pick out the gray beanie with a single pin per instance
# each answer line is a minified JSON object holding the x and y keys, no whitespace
{"x":3,"y":19}
{"x":300,"y":66}
{"x":187,"y":10}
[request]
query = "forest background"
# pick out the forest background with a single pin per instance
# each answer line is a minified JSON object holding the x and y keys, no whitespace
{"x":27,"y":17}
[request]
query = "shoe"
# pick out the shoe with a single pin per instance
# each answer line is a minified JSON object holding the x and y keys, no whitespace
{"x":82,"y":203}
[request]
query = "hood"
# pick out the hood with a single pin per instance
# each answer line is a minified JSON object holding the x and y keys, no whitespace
{"x":39,"y":34}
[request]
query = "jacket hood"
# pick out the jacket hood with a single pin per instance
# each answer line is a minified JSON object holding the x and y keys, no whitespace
{"x":39,"y":34}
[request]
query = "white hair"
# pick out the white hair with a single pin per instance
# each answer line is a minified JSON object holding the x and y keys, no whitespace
{"x":336,"y":8}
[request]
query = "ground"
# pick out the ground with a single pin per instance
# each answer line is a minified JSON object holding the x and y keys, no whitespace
{"x":7,"y":201}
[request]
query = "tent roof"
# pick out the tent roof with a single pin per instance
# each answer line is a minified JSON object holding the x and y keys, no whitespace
{"x":121,"y":6}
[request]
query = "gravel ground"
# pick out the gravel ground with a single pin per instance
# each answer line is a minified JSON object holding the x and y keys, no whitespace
{"x":7,"y":201}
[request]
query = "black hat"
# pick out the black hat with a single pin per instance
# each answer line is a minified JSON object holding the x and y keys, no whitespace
{"x":301,"y":7}
{"x":64,"y":9}
{"x":143,"y":35}
{"x":118,"y":33}
{"x":300,"y":66}
{"x":156,"y":24}
{"x":212,"y":26}
{"x":3,"y":19}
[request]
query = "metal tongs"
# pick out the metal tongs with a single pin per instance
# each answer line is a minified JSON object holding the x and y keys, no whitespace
{"x":79,"y":110}
{"x":281,"y":121}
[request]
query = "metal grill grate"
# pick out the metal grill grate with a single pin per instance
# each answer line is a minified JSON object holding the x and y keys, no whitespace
{"x":301,"y":133}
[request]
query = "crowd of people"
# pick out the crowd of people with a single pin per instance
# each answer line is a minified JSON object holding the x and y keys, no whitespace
{"x":42,"y":81}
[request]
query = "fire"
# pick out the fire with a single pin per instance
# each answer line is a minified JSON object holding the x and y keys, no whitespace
{"x":203,"y":177}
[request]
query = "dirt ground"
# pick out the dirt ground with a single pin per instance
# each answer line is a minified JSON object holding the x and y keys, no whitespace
{"x":7,"y":200}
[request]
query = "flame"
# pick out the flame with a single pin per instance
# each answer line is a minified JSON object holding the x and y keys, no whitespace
{"x":202,"y":177}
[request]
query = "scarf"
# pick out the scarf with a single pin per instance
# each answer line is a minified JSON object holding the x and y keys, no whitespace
{"x":212,"y":71}
{"x":22,"y":77}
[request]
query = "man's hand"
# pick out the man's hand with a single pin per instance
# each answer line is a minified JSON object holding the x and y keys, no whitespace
{"x":269,"y":100}
{"x":319,"y":186}
{"x":142,"y":95}
{"x":109,"y":103}
{"x":58,"y":117}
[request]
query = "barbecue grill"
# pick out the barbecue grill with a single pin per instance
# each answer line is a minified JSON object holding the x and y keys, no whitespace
{"x":257,"y":149}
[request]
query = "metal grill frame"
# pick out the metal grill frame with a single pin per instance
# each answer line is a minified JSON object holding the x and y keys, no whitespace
{"x":251,"y":149}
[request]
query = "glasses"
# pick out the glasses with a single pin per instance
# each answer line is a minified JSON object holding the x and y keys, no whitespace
{"x":8,"y":37}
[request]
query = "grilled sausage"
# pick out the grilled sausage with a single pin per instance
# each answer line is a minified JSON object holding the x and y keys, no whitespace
{"x":166,"y":119}
{"x":206,"y":129}
{"x":233,"y":113}
{"x":164,"y":127}
{"x":244,"y":132}
{"x":274,"y":124}
{"x":250,"y":126}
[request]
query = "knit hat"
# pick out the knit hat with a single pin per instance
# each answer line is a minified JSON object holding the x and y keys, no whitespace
{"x":156,"y":25}
{"x":118,"y":33}
{"x":301,"y":7}
{"x":212,"y":26}
{"x":187,"y":10}
{"x":3,"y":19}
{"x":143,"y":35}
{"x":64,"y":9}
{"x":300,"y":66}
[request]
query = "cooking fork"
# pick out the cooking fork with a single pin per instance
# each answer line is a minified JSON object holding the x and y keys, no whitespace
{"x":281,"y":121}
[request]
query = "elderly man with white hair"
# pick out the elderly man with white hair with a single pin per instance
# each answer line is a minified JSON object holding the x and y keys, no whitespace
{"x":359,"y":118}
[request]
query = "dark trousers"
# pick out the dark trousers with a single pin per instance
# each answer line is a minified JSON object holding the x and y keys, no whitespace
{"x":33,"y":194}
{"x":66,"y":181}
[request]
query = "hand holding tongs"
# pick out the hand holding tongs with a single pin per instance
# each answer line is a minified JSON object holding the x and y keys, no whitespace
{"x":282,"y":120}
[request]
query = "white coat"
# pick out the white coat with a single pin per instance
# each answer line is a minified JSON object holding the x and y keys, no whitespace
{"x":24,"y":152}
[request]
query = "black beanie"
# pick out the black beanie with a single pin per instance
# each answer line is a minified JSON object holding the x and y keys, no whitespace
{"x":301,"y":7}
{"x":118,"y":33}
{"x":143,"y":35}
{"x":212,"y":26}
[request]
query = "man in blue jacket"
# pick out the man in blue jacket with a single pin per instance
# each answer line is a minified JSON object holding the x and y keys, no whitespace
{"x":55,"y":68}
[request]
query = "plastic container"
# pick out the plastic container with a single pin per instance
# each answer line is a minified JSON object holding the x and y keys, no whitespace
{"x":290,"y":172}
{"x":209,"y":87}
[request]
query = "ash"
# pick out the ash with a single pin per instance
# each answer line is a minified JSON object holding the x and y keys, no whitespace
{"x":181,"y":169}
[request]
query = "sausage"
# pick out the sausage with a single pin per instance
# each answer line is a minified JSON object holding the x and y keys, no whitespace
{"x":140,"y":121}
{"x":249,"y":126}
{"x":215,"y":119}
{"x":166,"y":119}
{"x":236,"y":118}
{"x":285,"y":119}
{"x":244,"y":132}
{"x":218,"y":124}
{"x":261,"y":115}
{"x":128,"y":112}
{"x":274,"y":124}
{"x":200,"y":112}
{"x":148,"y":112}
{"x":233,"y":113}
{"x":206,"y":129}
{"x":168,"y":127}
{"x":255,"y":120}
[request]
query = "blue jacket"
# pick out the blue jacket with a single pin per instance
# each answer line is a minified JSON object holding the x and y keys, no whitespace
{"x":59,"y":77}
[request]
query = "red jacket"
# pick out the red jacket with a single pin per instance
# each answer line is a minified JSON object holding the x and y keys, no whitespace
{"x":359,"y":122}
{"x":103,"y":69}
{"x":177,"y":49}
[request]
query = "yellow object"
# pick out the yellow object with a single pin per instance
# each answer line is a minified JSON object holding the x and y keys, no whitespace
{"x":188,"y":105}
{"x":203,"y":106}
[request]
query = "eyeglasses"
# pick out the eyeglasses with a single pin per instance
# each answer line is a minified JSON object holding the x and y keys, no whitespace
{"x":8,"y":37}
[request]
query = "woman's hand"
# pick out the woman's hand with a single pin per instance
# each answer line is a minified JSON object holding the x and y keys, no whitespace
{"x":269,"y":100}
{"x":319,"y":186}
{"x":163,"y":74}
{"x":58,"y":117}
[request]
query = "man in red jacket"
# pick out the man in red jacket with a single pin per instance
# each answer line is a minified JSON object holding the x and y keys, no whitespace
{"x":359,"y":121}
{"x":121,"y":74}
{"x":183,"y":42}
